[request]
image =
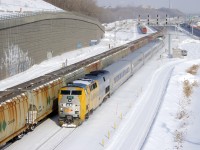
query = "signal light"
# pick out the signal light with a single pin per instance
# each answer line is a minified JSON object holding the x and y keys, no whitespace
{"x":157,"y":19}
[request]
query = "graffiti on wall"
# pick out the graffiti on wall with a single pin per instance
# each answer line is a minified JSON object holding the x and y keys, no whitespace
{"x":15,"y":60}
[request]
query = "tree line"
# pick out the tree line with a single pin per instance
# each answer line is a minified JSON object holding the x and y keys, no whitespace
{"x":106,"y":15}
{"x":87,"y":7}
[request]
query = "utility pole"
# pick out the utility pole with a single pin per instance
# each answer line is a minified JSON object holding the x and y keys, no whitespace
{"x":115,"y":34}
{"x":192,"y":29}
{"x":169,"y":35}
{"x":169,"y":45}
{"x":169,"y":9}
{"x":138,"y":19}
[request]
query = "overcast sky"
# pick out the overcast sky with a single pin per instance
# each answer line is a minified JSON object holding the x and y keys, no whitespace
{"x":186,"y":6}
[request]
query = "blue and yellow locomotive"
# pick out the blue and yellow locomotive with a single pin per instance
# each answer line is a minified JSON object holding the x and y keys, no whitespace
{"x":79,"y":98}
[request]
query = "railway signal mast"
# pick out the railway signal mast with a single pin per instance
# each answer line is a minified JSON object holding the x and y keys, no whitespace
{"x":139,"y":19}
{"x":157,"y":19}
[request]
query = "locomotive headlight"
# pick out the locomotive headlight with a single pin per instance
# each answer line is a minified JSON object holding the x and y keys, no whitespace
{"x":61,"y":109}
{"x":69,"y":104}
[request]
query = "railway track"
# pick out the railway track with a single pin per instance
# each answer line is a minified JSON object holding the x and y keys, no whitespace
{"x":53,"y":136}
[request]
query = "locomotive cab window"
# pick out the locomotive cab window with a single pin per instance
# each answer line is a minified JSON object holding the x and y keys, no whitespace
{"x":94,"y":85}
{"x":76,"y":93}
{"x":65,"y":92}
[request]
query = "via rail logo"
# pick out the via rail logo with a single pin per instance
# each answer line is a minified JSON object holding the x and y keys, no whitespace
{"x":3,"y":126}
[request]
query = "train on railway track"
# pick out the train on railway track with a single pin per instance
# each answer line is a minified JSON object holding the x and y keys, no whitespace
{"x":78,"y":99}
{"x":143,"y":28}
{"x":24,"y":105}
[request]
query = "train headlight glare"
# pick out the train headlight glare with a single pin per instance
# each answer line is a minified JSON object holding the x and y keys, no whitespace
{"x":61,"y":108}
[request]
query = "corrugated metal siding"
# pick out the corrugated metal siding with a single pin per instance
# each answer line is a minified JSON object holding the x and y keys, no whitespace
{"x":29,"y":40}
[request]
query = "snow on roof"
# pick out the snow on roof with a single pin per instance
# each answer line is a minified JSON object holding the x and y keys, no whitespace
{"x":115,"y":67}
{"x":83,"y":81}
{"x":10,"y":6}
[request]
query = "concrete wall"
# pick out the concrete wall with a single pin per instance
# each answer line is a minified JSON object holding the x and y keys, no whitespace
{"x":29,"y":39}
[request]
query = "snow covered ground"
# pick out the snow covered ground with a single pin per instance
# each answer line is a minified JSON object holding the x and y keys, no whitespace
{"x":178,"y":121}
{"x":156,"y":109}
{"x":9,"y":6}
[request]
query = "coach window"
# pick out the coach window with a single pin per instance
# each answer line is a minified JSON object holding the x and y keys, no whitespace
{"x":104,"y":79}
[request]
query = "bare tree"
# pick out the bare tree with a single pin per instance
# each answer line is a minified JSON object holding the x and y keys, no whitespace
{"x":90,"y":8}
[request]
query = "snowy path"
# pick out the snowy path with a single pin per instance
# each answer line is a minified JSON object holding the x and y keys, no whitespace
{"x":146,"y":108}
